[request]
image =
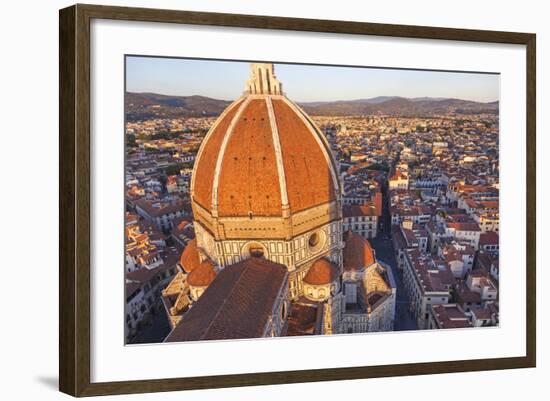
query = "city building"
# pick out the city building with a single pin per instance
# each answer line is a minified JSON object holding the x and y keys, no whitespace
{"x":399,"y":180}
{"x":477,"y":291}
{"x":363,"y":219}
{"x":428,"y":282}
{"x":162,"y":214}
{"x":448,"y":316}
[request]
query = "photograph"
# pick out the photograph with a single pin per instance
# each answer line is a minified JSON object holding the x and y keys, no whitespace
{"x":265,"y":199}
{"x":269,"y":201}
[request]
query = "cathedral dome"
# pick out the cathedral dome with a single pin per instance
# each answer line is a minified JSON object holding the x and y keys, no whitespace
{"x":263,"y":157}
{"x":322,"y":272}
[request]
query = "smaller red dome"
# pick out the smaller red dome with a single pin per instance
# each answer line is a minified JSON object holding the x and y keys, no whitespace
{"x":203,"y":275}
{"x":322,"y":272}
{"x":189,"y":259}
{"x":358,"y":252}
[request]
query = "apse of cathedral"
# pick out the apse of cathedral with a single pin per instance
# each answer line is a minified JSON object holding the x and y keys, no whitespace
{"x":270,"y":257}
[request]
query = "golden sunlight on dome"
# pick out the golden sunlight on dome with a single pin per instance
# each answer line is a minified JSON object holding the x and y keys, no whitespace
{"x":263,"y":156}
{"x":322,"y":272}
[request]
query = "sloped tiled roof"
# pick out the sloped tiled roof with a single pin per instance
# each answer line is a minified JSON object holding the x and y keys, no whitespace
{"x":238,"y":304}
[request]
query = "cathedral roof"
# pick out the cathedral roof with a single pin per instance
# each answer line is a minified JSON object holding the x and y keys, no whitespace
{"x":238,"y":304}
{"x":358,"y":253}
{"x":322,"y":272}
{"x":203,"y":275}
{"x":263,"y":155}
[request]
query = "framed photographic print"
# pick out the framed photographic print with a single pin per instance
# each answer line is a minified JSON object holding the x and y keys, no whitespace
{"x":250,"y":200}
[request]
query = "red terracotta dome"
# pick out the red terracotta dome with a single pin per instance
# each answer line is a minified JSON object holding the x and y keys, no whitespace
{"x":262,"y":156}
{"x":189,"y":258}
{"x":203,"y":275}
{"x":322,"y":272}
{"x":358,"y":252}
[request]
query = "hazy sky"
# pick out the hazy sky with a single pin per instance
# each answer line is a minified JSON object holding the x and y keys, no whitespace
{"x":303,"y":83}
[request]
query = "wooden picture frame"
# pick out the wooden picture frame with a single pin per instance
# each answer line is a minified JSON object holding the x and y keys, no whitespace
{"x":75,"y":207}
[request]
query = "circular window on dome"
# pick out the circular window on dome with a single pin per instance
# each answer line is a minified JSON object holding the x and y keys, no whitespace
{"x":316,"y":241}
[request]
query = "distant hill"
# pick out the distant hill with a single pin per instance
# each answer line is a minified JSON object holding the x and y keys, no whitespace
{"x":141,"y":106}
{"x":375,"y":100}
{"x":400,"y":106}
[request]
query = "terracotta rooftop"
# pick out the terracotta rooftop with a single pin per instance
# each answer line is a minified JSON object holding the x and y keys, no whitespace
{"x":373,"y":208}
{"x":248,"y":180}
{"x":308,"y":175}
{"x":131,"y":288}
{"x":208,"y":156}
{"x":189,"y":259}
{"x":432,"y":274}
{"x":463,"y":226}
{"x":398,"y":175}
{"x":157,"y":208}
{"x":180,"y":226}
{"x":238,"y":304}
{"x":464,"y":294}
{"x":488,"y":238}
{"x":450,"y":316}
{"x":241,"y":154}
{"x":203,"y":275}
{"x":322,"y":272}
{"x":481,"y":313}
{"x":485,"y":260}
{"x":303,"y":319}
{"x":358,"y":252}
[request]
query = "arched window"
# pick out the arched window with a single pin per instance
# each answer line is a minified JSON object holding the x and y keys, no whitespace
{"x":256,"y":252}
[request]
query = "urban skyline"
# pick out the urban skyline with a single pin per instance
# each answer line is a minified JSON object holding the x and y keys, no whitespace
{"x":263,"y":217}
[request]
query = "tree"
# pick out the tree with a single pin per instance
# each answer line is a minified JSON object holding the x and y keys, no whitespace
{"x":379,"y":166}
{"x":163,"y":135}
{"x":131,"y":141}
{"x":173,"y":169}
